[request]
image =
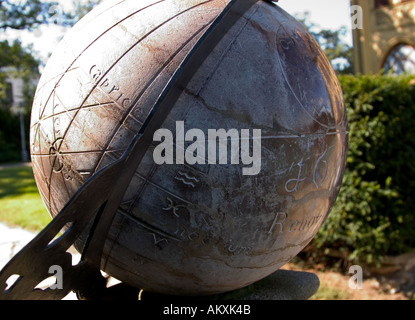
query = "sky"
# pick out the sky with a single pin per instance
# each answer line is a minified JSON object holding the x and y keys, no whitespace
{"x":328,"y":14}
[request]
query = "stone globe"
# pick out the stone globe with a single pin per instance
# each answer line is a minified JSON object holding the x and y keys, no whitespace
{"x":247,"y":162}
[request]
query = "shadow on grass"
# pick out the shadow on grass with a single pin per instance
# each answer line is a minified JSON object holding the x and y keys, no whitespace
{"x":16,"y":181}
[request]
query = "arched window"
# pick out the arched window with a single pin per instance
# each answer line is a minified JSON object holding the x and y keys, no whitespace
{"x":401,"y":60}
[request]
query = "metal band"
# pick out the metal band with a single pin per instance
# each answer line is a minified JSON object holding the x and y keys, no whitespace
{"x":101,"y":195}
{"x":165,"y":103}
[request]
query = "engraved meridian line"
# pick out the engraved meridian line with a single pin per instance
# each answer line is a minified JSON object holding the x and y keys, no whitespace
{"x":58,"y":83}
{"x":163,"y":67}
{"x":285,"y":46}
{"x":90,"y":45}
{"x":103,"y":76}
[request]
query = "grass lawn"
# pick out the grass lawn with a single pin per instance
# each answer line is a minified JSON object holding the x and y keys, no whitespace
{"x":20,"y":202}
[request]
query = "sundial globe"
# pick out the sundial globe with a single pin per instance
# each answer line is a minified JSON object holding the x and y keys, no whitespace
{"x":246,"y":164}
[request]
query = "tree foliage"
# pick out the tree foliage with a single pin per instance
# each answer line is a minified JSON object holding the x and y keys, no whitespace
{"x":24,"y":65}
{"x":15,"y":55}
{"x":24,"y":15}
{"x":30,"y":14}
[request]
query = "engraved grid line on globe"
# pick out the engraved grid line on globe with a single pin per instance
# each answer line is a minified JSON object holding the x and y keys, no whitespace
{"x":133,"y":105}
{"x":158,"y":72}
{"x":298,"y":99}
{"x":205,"y":213}
{"x":147,"y":86}
{"x":69,"y":68}
{"x":103,"y":76}
{"x":92,"y":43}
{"x":119,"y":59}
{"x":125,"y":53}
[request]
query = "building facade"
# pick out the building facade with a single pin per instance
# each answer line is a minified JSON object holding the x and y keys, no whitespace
{"x":14,"y":90}
{"x":386,"y":39}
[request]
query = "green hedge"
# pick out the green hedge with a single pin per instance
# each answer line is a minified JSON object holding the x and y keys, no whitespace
{"x":375,"y":212}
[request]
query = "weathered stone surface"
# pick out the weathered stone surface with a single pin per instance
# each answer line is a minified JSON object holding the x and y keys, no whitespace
{"x":182,"y":228}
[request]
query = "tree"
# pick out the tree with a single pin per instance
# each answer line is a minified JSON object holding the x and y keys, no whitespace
{"x":82,"y":9}
{"x":17,"y":56}
{"x":30,"y":14}
{"x":24,"y":15}
{"x":23,"y":64}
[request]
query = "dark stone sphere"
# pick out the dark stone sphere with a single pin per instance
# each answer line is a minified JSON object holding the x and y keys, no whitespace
{"x":192,"y":222}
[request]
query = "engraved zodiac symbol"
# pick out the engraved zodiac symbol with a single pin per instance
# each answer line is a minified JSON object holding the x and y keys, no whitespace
{"x":55,"y":157}
{"x":158,"y":239}
{"x":174,"y":207}
{"x":187,"y":179}
{"x":319,"y":175}
{"x":298,"y":180}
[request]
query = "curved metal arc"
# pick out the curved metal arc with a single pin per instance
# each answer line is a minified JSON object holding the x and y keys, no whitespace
{"x":165,"y":103}
{"x":104,"y":191}
{"x":34,"y":260}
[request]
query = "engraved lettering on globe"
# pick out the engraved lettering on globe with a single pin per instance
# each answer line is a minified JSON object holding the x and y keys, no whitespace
{"x":194,"y":227}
